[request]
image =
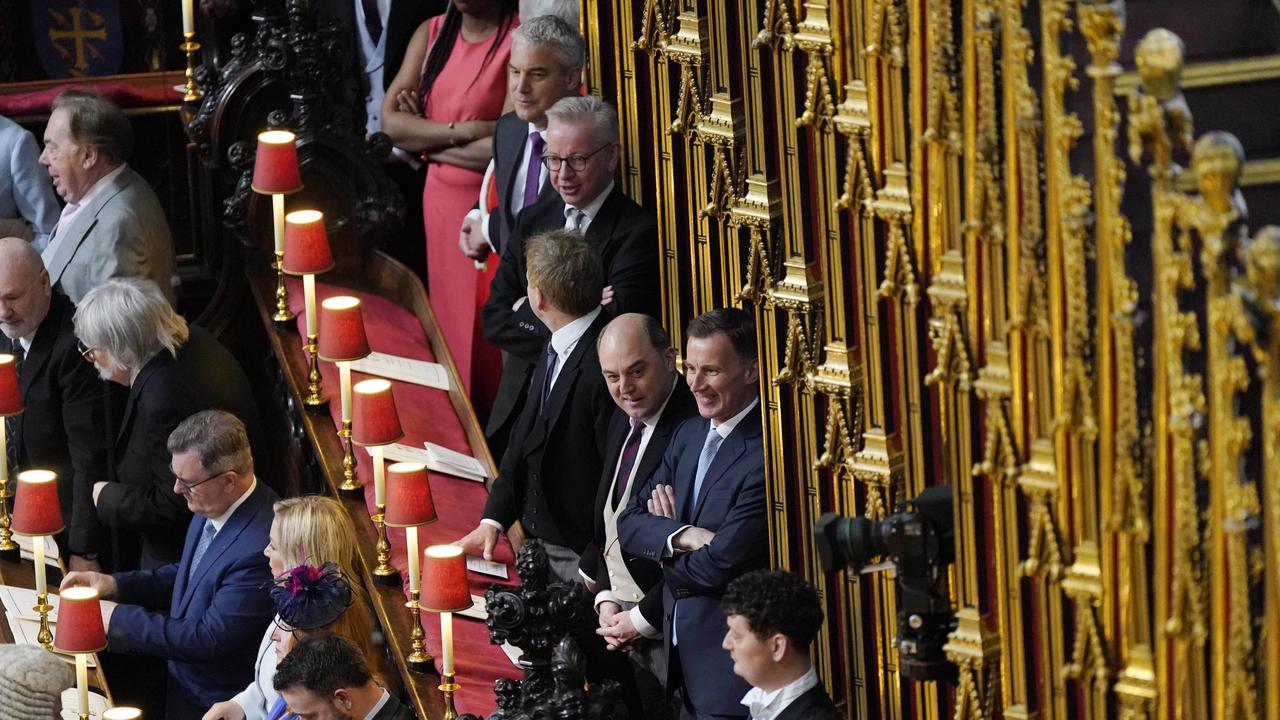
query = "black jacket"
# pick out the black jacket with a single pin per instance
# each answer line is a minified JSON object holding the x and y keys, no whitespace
{"x":626,"y":237}
{"x":64,"y":427}
{"x":646,"y":573}
{"x":813,"y":705}
{"x":166,"y":391}
{"x":553,"y":462}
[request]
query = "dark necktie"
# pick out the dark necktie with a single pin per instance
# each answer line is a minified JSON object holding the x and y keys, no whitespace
{"x":533,"y":174}
{"x":550,"y":362}
{"x":12,"y":441}
{"x":628,"y":461}
{"x":372,"y":19}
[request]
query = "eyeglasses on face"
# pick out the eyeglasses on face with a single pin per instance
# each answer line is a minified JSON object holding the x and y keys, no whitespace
{"x":577,"y":163}
{"x":86,"y":352}
{"x":193,"y":485}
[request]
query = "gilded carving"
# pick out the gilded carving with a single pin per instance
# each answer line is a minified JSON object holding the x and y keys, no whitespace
{"x":1039,"y":482}
{"x":757,"y":211}
{"x":893,"y":205}
{"x":995,"y":386}
{"x":801,"y":298}
{"x":946,"y":328}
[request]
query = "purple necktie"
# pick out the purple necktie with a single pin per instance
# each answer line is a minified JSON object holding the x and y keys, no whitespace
{"x":372,"y":19}
{"x":629,"y":452}
{"x":534,"y":172}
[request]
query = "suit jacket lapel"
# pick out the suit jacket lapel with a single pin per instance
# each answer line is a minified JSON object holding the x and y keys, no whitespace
{"x":689,"y":459}
{"x":221,"y":542}
{"x":601,"y":229}
{"x":42,"y":345}
{"x":730,"y":450}
{"x":135,"y":390}
{"x":70,"y":238}
{"x":184,"y":564}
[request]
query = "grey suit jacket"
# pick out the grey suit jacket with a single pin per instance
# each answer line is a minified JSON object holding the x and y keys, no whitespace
{"x":120,"y":232}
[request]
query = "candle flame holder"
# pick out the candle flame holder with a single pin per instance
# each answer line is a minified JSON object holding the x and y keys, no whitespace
{"x":191,"y":93}
{"x":419,"y":659}
{"x":448,"y":687}
{"x":384,"y":574}
{"x":315,"y":401}
{"x":283,"y":313}
{"x":349,"y":488}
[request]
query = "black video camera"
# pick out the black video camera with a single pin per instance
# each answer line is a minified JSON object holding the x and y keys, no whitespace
{"x":921,"y":543}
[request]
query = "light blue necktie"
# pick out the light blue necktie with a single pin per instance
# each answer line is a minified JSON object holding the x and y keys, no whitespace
{"x":704,"y":461}
{"x":206,"y":538}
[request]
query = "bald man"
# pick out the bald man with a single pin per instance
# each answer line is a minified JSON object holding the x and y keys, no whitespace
{"x":62,"y":428}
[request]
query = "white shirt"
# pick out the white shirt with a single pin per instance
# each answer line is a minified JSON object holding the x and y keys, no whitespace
{"x":222,"y":519}
{"x":768,"y":705}
{"x":382,"y":700}
{"x":373,"y":60}
{"x":589,"y":212}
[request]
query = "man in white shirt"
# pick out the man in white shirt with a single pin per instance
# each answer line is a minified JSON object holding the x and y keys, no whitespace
{"x":773,"y":617}
{"x":324,"y":677}
{"x":552,"y":466}
{"x":113,"y":224}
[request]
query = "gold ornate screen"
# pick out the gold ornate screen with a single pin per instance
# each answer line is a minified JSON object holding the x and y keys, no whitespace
{"x":924,"y":203}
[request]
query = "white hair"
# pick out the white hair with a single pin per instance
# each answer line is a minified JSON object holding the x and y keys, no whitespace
{"x":566,"y":10}
{"x":130,"y":321}
{"x":587,"y":110}
{"x":552,"y":31}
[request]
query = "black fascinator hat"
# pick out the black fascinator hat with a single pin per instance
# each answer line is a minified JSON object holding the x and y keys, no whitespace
{"x":309,"y":597}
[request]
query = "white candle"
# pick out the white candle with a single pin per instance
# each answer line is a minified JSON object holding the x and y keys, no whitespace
{"x":446,"y":642}
{"x":277,"y":216}
{"x":82,"y":682}
{"x":379,"y":476}
{"x":309,"y":295}
{"x":344,"y":379}
{"x":37,"y":545}
{"x":188,"y":17}
{"x":411,"y":537}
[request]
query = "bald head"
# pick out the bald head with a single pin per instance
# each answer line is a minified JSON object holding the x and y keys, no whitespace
{"x":24,"y":289}
{"x":638,"y":363}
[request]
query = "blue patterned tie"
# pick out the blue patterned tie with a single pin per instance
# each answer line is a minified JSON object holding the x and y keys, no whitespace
{"x":704,"y":461}
{"x":206,"y":538}
{"x":551,"y":361}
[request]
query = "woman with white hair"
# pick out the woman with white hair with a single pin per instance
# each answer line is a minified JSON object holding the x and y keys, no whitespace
{"x":131,"y":334}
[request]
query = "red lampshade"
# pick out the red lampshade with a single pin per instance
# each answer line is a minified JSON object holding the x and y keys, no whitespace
{"x":35,"y":505}
{"x":409,"y":502}
{"x":275,"y":168}
{"x":10,"y":398}
{"x":306,"y":245}
{"x":79,"y":628}
{"x":342,"y":329}
{"x":444,"y":580}
{"x":373,"y":414}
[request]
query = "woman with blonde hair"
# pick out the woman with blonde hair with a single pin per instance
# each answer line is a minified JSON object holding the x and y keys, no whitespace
{"x":309,"y":530}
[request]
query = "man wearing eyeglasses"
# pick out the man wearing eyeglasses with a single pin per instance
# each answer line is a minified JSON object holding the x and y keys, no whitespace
{"x":63,"y":427}
{"x":216,"y":597}
{"x":581,"y":157}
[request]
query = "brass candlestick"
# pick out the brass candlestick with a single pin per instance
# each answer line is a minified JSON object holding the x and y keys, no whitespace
{"x":419,"y":659}
{"x":384,"y":574}
{"x":192,"y":93}
{"x":314,"y":400}
{"x":349,"y":488}
{"x":449,"y":687}
{"x":45,"y":636}
{"x":8,"y":548}
{"x":283,"y":313}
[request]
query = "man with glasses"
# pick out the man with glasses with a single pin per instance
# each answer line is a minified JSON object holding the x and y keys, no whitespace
{"x":63,"y":427}
{"x":216,"y":595}
{"x":581,"y":157}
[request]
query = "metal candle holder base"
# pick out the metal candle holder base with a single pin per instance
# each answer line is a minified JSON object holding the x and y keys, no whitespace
{"x":283,"y":313}
{"x":8,"y":548}
{"x":419,"y":659}
{"x":314,"y":401}
{"x":191,"y":93}
{"x":449,"y":687}
{"x":349,"y":488}
{"x":384,"y":574}
{"x":42,"y":606}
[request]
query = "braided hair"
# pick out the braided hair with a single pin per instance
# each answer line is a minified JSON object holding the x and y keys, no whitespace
{"x":442,"y":48}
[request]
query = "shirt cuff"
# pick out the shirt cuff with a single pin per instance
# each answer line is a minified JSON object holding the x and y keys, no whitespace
{"x":669,"y":551}
{"x":605,"y":596}
{"x":642,"y":626}
{"x":492,"y":523}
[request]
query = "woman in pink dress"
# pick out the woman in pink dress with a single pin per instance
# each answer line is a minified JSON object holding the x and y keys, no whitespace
{"x":443,"y":104}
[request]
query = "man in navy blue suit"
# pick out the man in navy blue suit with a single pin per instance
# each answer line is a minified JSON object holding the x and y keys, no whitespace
{"x":205,"y":613}
{"x":702,"y":513}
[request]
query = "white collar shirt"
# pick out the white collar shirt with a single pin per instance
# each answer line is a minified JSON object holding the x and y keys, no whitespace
{"x":565,"y":340}
{"x":768,"y":705}
{"x":383,"y":700}
{"x":588,"y":213}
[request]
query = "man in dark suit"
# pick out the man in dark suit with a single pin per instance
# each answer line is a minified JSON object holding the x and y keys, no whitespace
{"x":547,"y":55}
{"x":555,"y":457}
{"x":639,"y":367}
{"x":63,"y":427}
{"x":581,"y":154}
{"x":702,"y":514}
{"x":203,"y":614}
{"x":172,"y":370}
{"x":773,"y":617}
{"x":324,"y":677}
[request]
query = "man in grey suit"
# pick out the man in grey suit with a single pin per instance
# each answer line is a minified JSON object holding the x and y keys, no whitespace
{"x":112,"y":225}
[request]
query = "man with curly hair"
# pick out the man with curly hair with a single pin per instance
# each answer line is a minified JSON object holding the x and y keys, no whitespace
{"x":773,"y":617}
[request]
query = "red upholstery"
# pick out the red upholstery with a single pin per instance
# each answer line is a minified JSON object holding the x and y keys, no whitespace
{"x":426,"y":415}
